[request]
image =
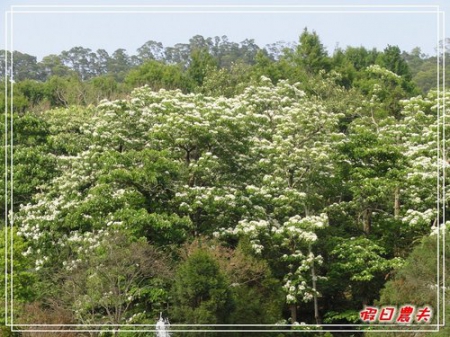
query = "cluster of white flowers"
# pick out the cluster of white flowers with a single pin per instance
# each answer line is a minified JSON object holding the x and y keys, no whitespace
{"x":297,"y":289}
{"x":416,"y":218}
{"x":273,"y":132}
{"x":40,"y":262}
{"x":135,"y":318}
{"x":383,"y":72}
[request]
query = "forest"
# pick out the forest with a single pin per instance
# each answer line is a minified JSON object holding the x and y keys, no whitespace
{"x":222,"y":183}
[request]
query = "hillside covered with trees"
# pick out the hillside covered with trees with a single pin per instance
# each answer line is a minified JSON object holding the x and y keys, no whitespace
{"x":223,"y":183}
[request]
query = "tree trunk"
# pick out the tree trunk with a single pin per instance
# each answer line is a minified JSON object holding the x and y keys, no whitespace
{"x":396,"y":202}
{"x":293,"y":308}
{"x":367,"y":214}
{"x":188,"y":157}
{"x":314,"y":285}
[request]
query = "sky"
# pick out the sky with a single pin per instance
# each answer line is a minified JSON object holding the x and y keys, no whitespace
{"x":44,"y":33}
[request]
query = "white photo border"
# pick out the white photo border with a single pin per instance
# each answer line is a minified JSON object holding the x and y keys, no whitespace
{"x":216,"y":9}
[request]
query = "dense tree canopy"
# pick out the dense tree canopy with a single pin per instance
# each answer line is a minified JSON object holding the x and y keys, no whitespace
{"x":221,"y":183}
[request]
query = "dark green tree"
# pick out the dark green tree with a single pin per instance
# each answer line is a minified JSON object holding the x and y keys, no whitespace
{"x":52,"y":65}
{"x":119,"y":64}
{"x":150,"y":50}
{"x":103,"y":60}
{"x":310,"y":54}
{"x":201,"y":62}
{"x":158,"y":75}
{"x":178,"y":54}
{"x":392,"y":59}
{"x":361,"y":57}
{"x":416,"y":282}
{"x":24,"y":66}
{"x":82,"y":60}
{"x":201,"y":291}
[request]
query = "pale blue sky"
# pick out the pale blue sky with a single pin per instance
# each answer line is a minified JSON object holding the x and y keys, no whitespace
{"x":42,"y":34}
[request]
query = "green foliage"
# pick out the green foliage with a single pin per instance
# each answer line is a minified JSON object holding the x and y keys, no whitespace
{"x":20,"y":262}
{"x":32,"y":90}
{"x":310,"y":54}
{"x":350,"y":316}
{"x":52,"y":65}
{"x":200,"y":64}
{"x":201,"y":291}
{"x":83,"y":76}
{"x":33,"y":165}
{"x":416,"y":281}
{"x":392,"y":60}
{"x":119,"y":282}
{"x":104,"y":87}
{"x":361,"y":259}
{"x":65,"y":91}
{"x":226,"y":82}
{"x":158,"y":75}
{"x":360,"y":57}
{"x":66,"y":130}
{"x":316,"y":175}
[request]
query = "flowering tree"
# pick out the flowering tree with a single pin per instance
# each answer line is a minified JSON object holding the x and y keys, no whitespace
{"x":272,"y":166}
{"x":118,"y":284}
